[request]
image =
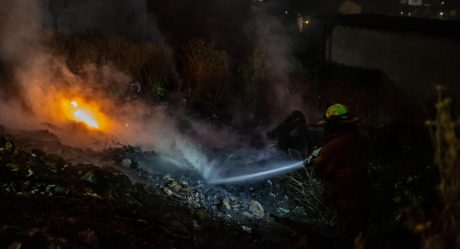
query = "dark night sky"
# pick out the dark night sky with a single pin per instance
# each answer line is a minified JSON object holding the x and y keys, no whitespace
{"x":326,"y":7}
{"x":385,"y":7}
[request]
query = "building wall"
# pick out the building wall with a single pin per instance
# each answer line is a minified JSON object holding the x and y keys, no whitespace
{"x":414,"y":62}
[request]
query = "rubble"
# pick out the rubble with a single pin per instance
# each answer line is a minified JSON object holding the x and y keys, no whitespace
{"x":256,"y":209}
{"x":126,"y":163}
{"x":230,"y":204}
{"x":247,"y":215}
{"x":29,"y":173}
{"x":225,"y":205}
{"x":91,"y":177}
{"x":246,"y":229}
{"x":168,"y":191}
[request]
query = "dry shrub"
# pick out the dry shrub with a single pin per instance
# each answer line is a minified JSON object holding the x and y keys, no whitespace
{"x":159,"y":68}
{"x":445,"y":227}
{"x":126,"y":56}
{"x":307,"y":190}
{"x":204,"y":69}
{"x":151,"y":63}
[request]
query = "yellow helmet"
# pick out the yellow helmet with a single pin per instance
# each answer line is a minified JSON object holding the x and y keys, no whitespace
{"x":338,"y":113}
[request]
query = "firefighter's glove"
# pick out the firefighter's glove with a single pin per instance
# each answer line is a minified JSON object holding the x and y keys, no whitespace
{"x":309,"y":160}
{"x":316,"y":152}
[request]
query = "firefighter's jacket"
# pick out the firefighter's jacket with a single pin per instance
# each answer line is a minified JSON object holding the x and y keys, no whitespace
{"x":344,"y":175}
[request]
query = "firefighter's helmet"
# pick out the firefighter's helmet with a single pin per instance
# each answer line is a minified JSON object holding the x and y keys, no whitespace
{"x":338,"y":113}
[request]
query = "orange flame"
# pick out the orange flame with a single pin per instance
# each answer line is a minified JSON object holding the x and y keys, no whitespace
{"x":81,"y":112}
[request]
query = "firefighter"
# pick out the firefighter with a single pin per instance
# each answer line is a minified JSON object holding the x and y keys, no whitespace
{"x":344,"y":176}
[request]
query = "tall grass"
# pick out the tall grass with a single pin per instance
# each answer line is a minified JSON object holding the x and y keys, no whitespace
{"x":151,"y":63}
{"x":205,"y":69}
{"x":445,"y":228}
{"x":307,"y":190}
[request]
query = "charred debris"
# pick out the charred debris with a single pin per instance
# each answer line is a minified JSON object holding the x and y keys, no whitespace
{"x":111,"y":135}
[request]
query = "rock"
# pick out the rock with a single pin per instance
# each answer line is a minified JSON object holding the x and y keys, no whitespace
{"x":187,"y":190}
{"x":167,"y":178}
{"x":126,"y":163}
{"x":247,"y":215}
{"x":168,"y":191}
{"x":13,"y":167}
{"x":283,"y":210}
{"x":256,"y":209}
{"x":299,"y":210}
{"x":236,"y":206}
{"x":246,"y":229}
{"x":91,"y":194}
{"x":29,"y":173}
{"x":224,"y":205}
{"x":175,"y":186}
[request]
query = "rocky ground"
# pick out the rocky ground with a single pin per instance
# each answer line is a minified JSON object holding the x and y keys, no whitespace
{"x":52,"y":202}
{"x":48,"y":202}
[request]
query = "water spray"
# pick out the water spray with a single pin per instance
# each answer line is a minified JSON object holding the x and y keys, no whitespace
{"x":277,"y":169}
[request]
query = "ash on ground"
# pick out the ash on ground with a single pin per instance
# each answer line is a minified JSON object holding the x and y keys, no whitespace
{"x":246,"y":204}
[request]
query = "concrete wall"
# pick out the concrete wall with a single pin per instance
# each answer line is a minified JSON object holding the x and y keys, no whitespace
{"x":414,"y":62}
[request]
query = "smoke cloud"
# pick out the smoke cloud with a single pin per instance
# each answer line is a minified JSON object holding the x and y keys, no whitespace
{"x":47,"y":88}
{"x":275,"y":42}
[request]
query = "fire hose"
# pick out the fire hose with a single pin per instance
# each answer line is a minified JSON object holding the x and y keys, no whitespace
{"x":275,"y":170}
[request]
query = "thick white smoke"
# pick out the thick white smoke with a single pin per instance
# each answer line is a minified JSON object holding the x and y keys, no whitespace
{"x":44,"y":83}
{"x":276,"y":44}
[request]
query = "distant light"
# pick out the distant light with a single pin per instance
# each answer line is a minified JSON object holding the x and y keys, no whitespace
{"x":402,"y":12}
{"x":409,"y":14}
{"x":286,"y":12}
{"x":441,"y":13}
{"x":442,"y":3}
{"x":307,"y":22}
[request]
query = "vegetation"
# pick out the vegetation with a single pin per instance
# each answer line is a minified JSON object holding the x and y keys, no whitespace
{"x":152,"y":64}
{"x":306,"y":189}
{"x":204,"y":70}
{"x":444,"y":230}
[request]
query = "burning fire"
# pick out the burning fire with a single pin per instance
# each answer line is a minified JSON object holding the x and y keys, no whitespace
{"x":81,"y":112}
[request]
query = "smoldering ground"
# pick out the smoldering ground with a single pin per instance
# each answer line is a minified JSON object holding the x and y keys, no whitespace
{"x":42,"y":82}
